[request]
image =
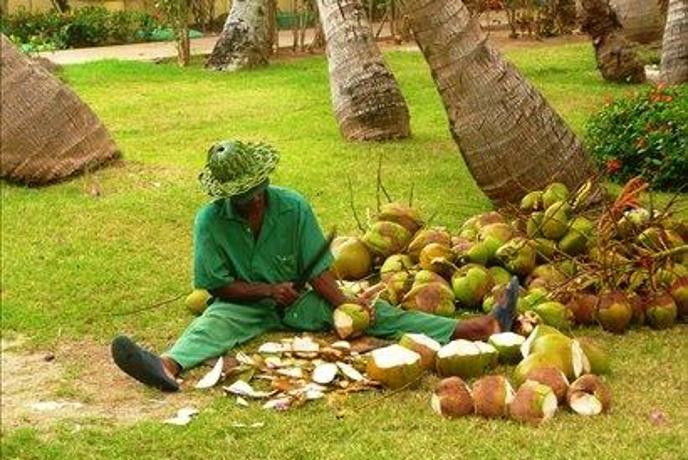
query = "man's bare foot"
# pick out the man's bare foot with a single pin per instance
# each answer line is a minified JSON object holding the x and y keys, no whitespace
{"x":480,"y":328}
{"x":170,"y":366}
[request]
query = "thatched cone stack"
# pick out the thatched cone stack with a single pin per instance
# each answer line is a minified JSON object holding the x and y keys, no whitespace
{"x":47,"y":132}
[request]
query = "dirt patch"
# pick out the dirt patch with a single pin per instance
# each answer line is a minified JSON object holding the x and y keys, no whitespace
{"x":79,"y":382}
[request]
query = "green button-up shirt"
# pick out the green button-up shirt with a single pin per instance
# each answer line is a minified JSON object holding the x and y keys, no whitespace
{"x":225,"y":249}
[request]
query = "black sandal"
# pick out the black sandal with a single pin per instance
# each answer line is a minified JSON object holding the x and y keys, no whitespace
{"x":140,"y":364}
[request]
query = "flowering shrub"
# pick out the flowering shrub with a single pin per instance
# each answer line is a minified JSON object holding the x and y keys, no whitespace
{"x":645,"y":134}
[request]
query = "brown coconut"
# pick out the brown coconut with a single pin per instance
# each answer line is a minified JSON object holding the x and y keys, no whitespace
{"x":584,"y":308}
{"x":534,"y":403}
{"x":492,"y":395}
{"x":452,"y":398}
{"x":589,"y":395}
{"x":553,"y":378}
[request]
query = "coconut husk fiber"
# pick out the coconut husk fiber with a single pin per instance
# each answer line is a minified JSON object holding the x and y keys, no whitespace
{"x":46,"y":132}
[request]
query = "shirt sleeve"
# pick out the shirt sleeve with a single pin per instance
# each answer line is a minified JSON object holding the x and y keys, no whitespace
{"x":210,"y":270}
{"x":311,"y":239}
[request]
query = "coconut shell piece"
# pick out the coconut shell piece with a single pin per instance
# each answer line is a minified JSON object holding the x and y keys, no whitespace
{"x":492,"y":395}
{"x":589,"y":395}
{"x":534,"y":403}
{"x":452,"y":398}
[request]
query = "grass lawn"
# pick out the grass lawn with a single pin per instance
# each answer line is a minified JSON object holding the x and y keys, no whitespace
{"x":73,"y":262}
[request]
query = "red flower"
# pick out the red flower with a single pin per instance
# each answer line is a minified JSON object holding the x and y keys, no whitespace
{"x":613,"y":166}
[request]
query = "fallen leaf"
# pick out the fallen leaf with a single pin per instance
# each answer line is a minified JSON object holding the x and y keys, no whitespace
{"x":279,"y":404}
{"x":183,"y":416}
{"x":212,"y":377}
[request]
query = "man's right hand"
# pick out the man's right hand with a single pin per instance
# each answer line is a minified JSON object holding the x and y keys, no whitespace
{"x":284,"y":294}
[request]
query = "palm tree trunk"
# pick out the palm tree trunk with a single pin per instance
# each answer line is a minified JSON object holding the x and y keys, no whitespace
{"x":616,"y":56}
{"x":47,"y":132}
{"x":510,"y":137}
{"x":642,"y":20}
{"x":368,"y":104}
{"x":674,"y":68}
{"x":245,"y":39}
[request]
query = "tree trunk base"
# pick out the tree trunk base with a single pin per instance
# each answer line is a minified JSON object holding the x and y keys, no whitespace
{"x":245,"y":39}
{"x":617,"y":59}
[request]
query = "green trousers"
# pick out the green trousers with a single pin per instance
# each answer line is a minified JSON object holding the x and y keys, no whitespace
{"x":224,"y":326}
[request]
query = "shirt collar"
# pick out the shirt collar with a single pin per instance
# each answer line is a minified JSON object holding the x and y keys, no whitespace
{"x":276,"y":205}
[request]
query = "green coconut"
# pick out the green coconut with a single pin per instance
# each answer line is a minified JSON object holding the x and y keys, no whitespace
{"x":518,"y":256}
{"x":350,"y":320}
{"x":568,"y":267}
{"x":397,"y":286}
{"x":487,"y":218}
{"x":545,"y":249}
{"x":395,"y":263}
{"x":478,"y":253}
{"x":352,"y":259}
{"x":386,"y":238}
{"x":534,"y":225}
{"x":534,"y":297}
{"x":547,"y":276}
{"x":395,"y":367}
{"x":553,"y":193}
{"x":425,"y":237}
{"x":499,"y":275}
{"x":437,"y":258}
{"x":578,"y":237}
{"x":465,"y":359}
{"x":534,"y":403}
{"x":554,"y":314}
{"x":632,"y":222}
{"x":555,"y":221}
{"x":470,"y":284}
{"x":614,"y":312}
{"x":560,"y":352}
{"x":197,"y":301}
{"x":426,"y":277}
{"x":401,"y":214}
{"x":434,"y":298}
{"x":426,"y":347}
{"x":508,"y":345}
{"x":597,"y":355}
{"x":468,"y":233}
{"x":532,"y":201}
{"x":539,"y":331}
{"x":679,"y":292}
{"x":661,"y":311}
{"x":495,"y":235}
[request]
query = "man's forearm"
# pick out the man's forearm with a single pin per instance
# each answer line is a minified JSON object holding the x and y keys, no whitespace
{"x":243,"y":291}
{"x":326,"y":286}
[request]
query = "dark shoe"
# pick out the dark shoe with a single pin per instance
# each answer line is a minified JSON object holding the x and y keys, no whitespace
{"x":140,"y":364}
{"x":505,"y":311}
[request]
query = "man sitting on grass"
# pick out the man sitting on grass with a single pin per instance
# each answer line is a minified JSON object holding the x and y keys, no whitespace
{"x":250,"y":244}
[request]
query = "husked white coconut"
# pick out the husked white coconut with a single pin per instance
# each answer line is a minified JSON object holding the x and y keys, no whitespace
{"x":395,"y":366}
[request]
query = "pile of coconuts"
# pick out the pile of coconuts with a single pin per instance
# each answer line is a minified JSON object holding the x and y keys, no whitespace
{"x":617,"y":265}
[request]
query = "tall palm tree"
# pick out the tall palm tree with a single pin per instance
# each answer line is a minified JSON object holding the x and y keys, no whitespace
{"x":367,"y":102}
{"x":246,"y":40}
{"x":616,"y":56}
{"x":511,"y":139}
{"x":47,"y":132}
{"x":642,"y":20}
{"x":674,"y":68}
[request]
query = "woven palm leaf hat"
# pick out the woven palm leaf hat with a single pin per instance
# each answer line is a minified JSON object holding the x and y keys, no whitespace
{"x":234,"y":168}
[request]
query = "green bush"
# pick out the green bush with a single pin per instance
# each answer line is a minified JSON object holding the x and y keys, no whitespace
{"x":645,"y":134}
{"x":89,"y":26}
